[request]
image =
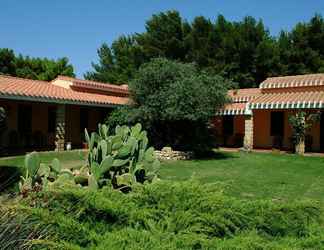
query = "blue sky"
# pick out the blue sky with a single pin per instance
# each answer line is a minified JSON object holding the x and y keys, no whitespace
{"x":76,"y":28}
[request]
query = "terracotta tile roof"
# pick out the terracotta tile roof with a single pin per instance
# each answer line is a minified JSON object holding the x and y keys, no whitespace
{"x":239,"y":98}
{"x":233,"y":109}
{"x":244,"y":95}
{"x":289,"y":100}
{"x":87,"y":84}
{"x":25,"y":89}
{"x":293,"y":81}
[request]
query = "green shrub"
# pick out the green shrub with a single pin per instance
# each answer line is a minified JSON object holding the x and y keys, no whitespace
{"x":119,"y":116}
{"x":19,"y":231}
{"x":9,"y":177}
{"x":174,"y":102}
{"x":175,"y":215}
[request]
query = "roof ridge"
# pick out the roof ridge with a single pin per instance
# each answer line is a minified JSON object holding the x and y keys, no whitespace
{"x":292,"y":76}
{"x":21,"y":78}
{"x":91,"y":82}
{"x":35,"y":90}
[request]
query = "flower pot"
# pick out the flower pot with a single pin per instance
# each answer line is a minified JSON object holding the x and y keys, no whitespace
{"x":300,"y":147}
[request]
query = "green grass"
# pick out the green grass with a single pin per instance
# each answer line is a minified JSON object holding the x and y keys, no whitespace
{"x":69,"y":159}
{"x":180,"y":214}
{"x":256,"y":175}
{"x":250,"y":176}
{"x":12,"y":167}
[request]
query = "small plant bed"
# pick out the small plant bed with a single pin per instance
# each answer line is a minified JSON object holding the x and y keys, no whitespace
{"x":119,"y":160}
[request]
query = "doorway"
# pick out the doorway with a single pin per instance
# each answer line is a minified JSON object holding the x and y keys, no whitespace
{"x":322,"y":132}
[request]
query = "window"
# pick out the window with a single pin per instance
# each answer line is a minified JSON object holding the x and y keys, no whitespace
{"x":277,"y":124}
{"x":84,"y":116}
{"x":24,"y":118}
{"x":51,"y":120}
{"x":228,"y":125}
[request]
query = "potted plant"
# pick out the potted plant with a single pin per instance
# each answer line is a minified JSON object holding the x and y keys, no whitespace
{"x":300,"y":123}
{"x":84,"y":142}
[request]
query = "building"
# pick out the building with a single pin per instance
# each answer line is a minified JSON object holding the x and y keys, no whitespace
{"x":258,"y":117}
{"x":48,"y":115}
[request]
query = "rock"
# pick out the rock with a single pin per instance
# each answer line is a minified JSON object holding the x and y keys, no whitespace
{"x":168,"y":154}
{"x":166,"y":149}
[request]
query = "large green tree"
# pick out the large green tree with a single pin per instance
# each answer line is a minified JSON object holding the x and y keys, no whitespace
{"x":175,"y":102}
{"x":7,"y":62}
{"x":118,"y":63}
{"x":242,"y":51}
{"x":302,"y":49}
{"x":33,"y":68}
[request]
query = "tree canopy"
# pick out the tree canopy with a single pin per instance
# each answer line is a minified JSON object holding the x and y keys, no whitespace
{"x":174,"y":101}
{"x":33,"y":68}
{"x":243,"y":51}
{"x":167,"y":90}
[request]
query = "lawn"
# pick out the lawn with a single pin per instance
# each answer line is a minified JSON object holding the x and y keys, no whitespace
{"x":184,"y":215}
{"x":10,"y":166}
{"x":251,"y":176}
{"x":256,"y":175}
{"x":69,"y":159}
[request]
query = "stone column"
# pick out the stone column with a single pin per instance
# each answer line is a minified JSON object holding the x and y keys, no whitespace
{"x":248,"y":135}
{"x":60,"y":128}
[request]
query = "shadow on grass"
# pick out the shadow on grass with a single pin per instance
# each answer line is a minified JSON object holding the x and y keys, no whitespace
{"x":9,"y":177}
{"x":216,"y":155}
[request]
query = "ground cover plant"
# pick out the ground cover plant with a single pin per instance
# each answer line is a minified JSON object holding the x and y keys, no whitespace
{"x":172,"y":215}
{"x":20,"y":231}
{"x":234,"y":201}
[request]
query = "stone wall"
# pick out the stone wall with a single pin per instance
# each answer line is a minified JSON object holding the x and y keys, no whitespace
{"x":168,"y":154}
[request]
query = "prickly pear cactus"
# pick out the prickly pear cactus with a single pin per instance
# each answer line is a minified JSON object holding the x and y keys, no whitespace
{"x":40,"y":176}
{"x":119,"y":160}
{"x":122,"y":158}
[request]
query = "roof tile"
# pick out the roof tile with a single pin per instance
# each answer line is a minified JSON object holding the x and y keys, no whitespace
{"x":19,"y":87}
{"x":293,"y":81}
{"x":288,"y":100}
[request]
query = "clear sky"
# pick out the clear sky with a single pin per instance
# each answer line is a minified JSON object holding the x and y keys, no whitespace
{"x":76,"y":28}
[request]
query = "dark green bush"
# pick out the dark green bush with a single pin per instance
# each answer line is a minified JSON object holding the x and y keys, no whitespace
{"x":120,"y":116}
{"x":170,"y":215}
{"x":174,"y":102}
{"x":9,"y":177}
{"x":21,"y":231}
